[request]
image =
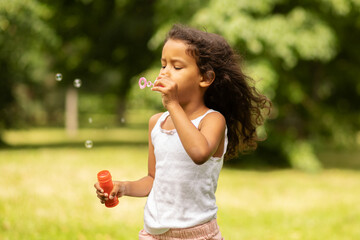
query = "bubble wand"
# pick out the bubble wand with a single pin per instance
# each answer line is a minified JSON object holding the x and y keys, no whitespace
{"x":143,"y":83}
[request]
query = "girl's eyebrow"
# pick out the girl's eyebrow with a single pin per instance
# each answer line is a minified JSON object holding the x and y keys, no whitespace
{"x":174,"y":60}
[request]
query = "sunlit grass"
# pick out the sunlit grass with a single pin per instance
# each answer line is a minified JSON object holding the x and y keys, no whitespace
{"x":289,"y":204}
{"x":47,"y":192}
{"x":59,"y":137}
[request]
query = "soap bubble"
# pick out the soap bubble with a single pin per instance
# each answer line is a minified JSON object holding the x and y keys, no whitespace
{"x":58,"y":77}
{"x":88,"y":144}
{"x":90,"y":120}
{"x":122,"y":120}
{"x":77,"y":83}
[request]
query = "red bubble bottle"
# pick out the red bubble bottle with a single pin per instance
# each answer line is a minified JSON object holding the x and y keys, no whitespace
{"x":105,"y":181}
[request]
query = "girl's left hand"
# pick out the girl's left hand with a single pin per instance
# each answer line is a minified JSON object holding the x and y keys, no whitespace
{"x":168,"y":90}
{"x":118,"y":191}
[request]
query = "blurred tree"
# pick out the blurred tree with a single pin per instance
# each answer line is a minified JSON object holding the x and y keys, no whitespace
{"x":24,"y":38}
{"x":103,"y":43}
{"x":304,"y":55}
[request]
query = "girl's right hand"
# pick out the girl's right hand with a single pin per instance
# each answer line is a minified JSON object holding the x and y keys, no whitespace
{"x":168,"y":90}
{"x":118,"y":191}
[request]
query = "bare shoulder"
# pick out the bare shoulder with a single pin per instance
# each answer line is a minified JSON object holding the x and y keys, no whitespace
{"x":215,"y":119}
{"x":153,"y":119}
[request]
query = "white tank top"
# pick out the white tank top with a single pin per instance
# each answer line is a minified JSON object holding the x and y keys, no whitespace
{"x":183,"y":193}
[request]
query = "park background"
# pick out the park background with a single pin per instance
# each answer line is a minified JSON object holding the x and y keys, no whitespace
{"x":303,"y":182}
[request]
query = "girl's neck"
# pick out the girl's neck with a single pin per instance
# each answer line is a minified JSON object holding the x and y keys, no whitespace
{"x":194,"y":110}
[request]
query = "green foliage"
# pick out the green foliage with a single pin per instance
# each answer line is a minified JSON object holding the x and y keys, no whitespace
{"x":100,"y":42}
{"x":25,"y":38}
{"x":23,"y":34}
{"x":289,"y":37}
{"x":304,"y":57}
{"x":302,"y":156}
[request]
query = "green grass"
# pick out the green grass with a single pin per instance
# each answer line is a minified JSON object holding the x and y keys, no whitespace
{"x":47,"y":192}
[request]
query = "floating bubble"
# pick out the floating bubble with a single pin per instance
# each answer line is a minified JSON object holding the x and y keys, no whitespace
{"x":88,"y":144}
{"x":90,"y":120}
{"x":143,"y":83}
{"x":58,"y":77}
{"x":122,"y":120}
{"x":77,"y":83}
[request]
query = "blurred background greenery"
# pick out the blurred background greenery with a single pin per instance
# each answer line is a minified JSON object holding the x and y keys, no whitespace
{"x":304,"y":55}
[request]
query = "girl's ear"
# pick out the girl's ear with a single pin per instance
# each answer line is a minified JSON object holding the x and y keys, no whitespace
{"x":207,"y":79}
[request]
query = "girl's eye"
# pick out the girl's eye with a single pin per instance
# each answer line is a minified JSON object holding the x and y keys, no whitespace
{"x":176,"y":68}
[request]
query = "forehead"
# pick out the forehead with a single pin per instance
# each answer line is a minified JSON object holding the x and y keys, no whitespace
{"x":176,"y":48}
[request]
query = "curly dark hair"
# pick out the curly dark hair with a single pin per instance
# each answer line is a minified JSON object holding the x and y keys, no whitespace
{"x":232,"y":93}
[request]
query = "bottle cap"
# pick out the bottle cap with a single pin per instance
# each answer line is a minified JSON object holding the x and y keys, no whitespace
{"x":104,"y":176}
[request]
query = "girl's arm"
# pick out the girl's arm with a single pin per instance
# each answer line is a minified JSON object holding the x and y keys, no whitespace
{"x":200,"y":144}
{"x":141,"y":187}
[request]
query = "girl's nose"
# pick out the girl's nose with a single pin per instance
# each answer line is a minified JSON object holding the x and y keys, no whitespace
{"x":164,"y":72}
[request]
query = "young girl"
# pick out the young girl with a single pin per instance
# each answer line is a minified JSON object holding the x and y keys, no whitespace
{"x":211,"y":109}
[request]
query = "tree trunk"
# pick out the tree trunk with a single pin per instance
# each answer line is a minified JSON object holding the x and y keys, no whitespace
{"x":71,"y":112}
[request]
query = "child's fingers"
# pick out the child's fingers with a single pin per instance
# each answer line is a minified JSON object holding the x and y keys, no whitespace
{"x":162,"y":85}
{"x":98,"y":188}
{"x":161,"y":82}
{"x":102,"y":200}
{"x":102,"y":196}
{"x":157,"y":87}
{"x":114,"y":191}
{"x":100,"y":193}
{"x":118,"y":190}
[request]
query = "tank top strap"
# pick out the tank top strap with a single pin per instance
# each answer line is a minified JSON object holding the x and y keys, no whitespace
{"x":197,"y":120}
{"x":162,"y":118}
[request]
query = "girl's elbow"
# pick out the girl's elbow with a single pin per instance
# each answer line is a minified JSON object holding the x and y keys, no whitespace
{"x":199,"y":162}
{"x":199,"y":158}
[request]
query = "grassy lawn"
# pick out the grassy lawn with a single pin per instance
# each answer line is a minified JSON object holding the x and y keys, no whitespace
{"x":47,"y":192}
